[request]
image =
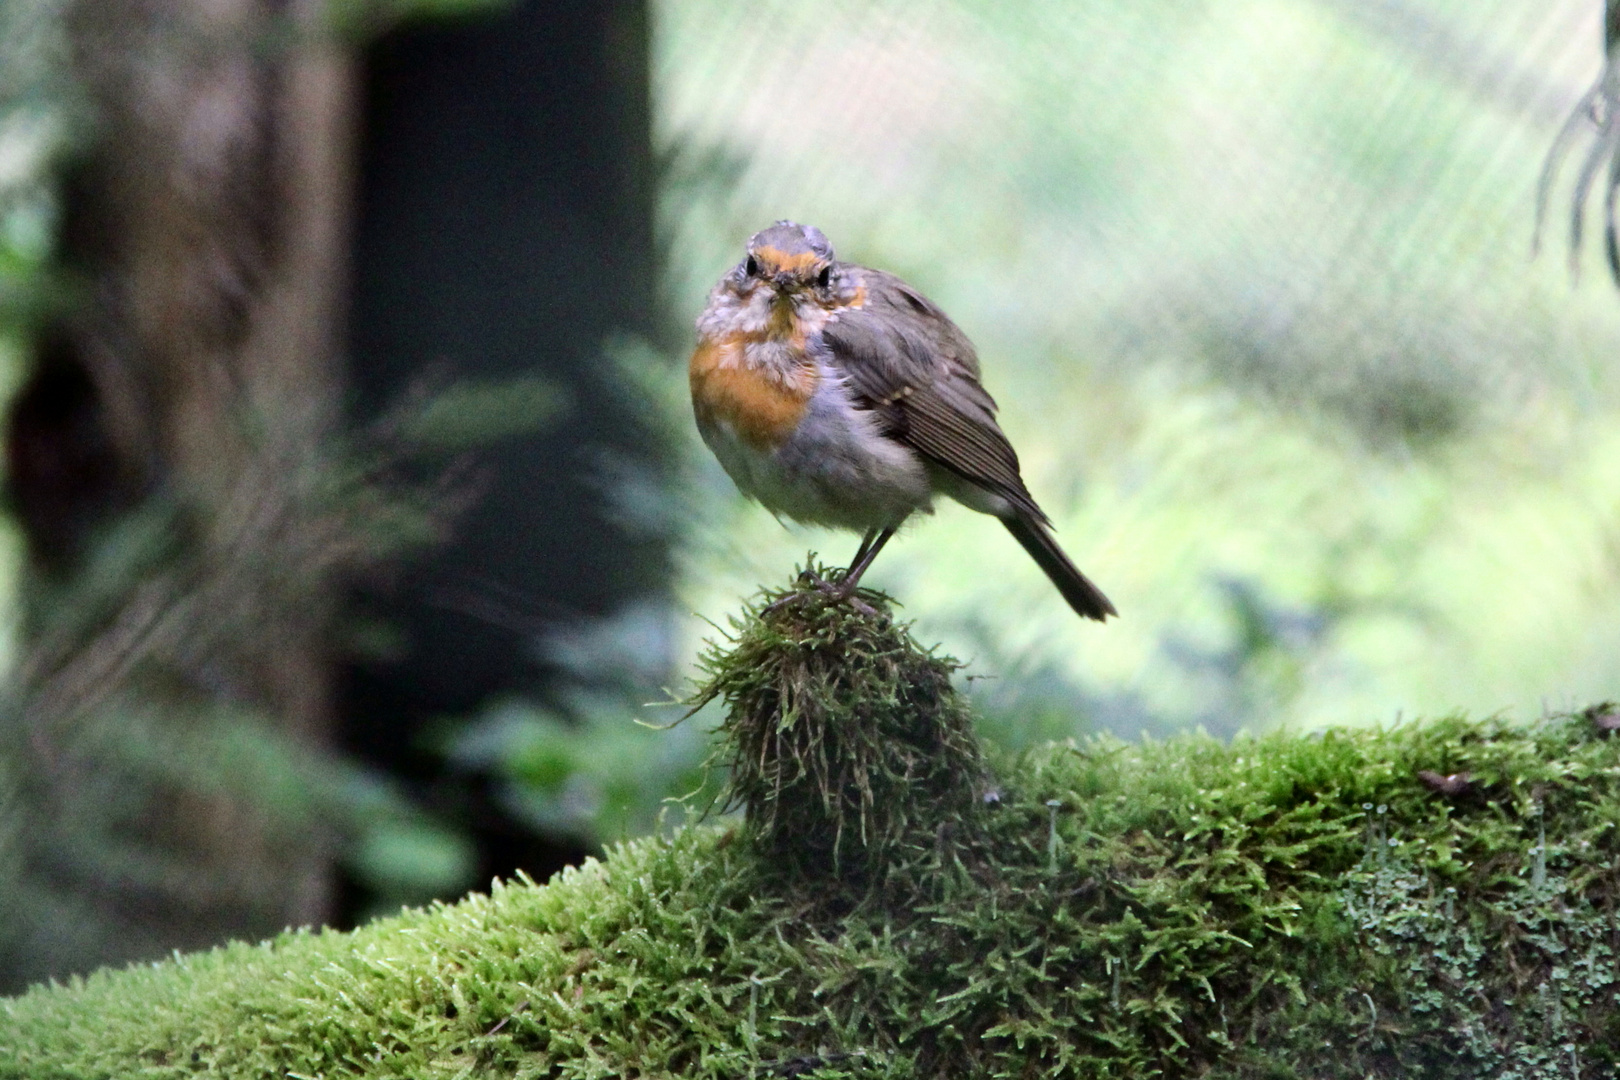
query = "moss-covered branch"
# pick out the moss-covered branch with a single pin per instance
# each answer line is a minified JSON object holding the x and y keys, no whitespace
{"x":1285,"y":906}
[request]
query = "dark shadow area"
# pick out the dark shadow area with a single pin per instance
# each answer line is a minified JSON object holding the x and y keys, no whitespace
{"x":504,"y":228}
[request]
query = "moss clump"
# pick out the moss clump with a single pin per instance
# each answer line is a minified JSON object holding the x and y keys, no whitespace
{"x":1270,"y":908}
{"x":844,"y":740}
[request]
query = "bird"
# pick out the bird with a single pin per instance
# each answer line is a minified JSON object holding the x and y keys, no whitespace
{"x":835,"y":394}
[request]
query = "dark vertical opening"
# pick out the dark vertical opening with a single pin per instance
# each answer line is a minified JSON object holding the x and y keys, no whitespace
{"x":504,"y":227}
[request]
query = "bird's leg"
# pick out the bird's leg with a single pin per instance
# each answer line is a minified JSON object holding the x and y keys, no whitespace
{"x":875,"y":539}
{"x":807,"y":574}
{"x":844,"y":588}
{"x":860,"y":552}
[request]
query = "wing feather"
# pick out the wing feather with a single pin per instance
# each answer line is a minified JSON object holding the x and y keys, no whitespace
{"x":905,"y":360}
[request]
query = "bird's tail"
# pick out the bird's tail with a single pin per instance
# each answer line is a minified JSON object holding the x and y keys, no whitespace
{"x":1077,"y":589}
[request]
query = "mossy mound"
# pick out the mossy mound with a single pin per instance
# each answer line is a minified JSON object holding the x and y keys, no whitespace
{"x":844,"y":740}
{"x":1277,"y":907}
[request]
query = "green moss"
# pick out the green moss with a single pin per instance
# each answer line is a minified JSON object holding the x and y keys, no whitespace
{"x":1275,"y":907}
{"x":843,"y":738}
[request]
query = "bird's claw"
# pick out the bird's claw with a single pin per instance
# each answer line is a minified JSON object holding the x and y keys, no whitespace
{"x":841,"y":591}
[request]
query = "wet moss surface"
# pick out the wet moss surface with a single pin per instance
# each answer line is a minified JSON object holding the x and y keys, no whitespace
{"x":1432,"y":900}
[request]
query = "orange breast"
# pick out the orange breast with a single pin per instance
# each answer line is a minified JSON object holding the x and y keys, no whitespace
{"x":761,"y":405}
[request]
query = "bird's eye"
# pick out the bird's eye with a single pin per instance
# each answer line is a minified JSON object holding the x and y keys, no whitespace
{"x":824,"y":278}
{"x":751,"y":267}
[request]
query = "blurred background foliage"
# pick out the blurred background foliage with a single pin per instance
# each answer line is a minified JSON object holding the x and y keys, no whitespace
{"x":1253,"y":285}
{"x":1252,"y":282}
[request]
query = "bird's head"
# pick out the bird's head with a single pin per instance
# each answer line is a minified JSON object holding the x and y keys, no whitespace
{"x":790,"y":259}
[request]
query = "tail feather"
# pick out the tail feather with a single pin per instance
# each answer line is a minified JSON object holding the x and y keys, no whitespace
{"x":1077,"y":589}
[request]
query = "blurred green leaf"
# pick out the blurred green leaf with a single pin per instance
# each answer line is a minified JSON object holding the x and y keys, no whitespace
{"x":473,"y":414}
{"x":412,"y":861}
{"x":367,"y":18}
{"x":595,"y":775}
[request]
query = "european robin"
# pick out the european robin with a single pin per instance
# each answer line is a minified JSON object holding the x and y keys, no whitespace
{"x":839,"y":395}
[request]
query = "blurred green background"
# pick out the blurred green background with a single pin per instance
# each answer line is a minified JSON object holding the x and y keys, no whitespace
{"x":1253,"y":283}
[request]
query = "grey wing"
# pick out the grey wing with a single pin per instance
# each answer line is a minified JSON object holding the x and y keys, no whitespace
{"x":906,"y":361}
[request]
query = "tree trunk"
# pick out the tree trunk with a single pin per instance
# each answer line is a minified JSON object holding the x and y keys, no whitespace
{"x":195,"y":388}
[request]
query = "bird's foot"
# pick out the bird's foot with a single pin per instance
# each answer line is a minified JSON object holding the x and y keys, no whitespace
{"x":840,"y":591}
